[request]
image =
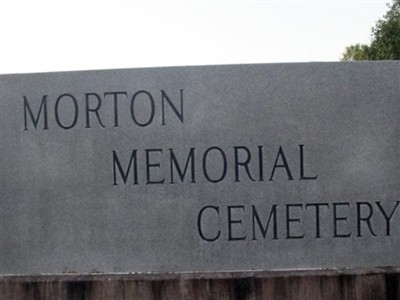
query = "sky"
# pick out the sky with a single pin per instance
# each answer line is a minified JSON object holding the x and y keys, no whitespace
{"x":47,"y":36}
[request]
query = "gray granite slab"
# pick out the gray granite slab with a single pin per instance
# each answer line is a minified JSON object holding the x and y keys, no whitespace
{"x":201,"y":169}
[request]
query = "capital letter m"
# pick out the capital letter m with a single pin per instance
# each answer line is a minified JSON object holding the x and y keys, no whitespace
{"x":35,"y":120}
{"x":124,"y":175}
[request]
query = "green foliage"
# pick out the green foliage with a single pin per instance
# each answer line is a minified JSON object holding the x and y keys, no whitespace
{"x":356,"y":52}
{"x":385,"y":43}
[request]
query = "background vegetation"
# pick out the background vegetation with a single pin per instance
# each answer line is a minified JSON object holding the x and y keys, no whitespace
{"x":385,"y":41}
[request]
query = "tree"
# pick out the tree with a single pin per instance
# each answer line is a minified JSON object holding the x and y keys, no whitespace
{"x":385,"y":41}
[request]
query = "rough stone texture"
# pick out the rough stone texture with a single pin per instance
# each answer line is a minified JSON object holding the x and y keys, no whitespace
{"x":345,"y":287}
{"x":63,"y":212}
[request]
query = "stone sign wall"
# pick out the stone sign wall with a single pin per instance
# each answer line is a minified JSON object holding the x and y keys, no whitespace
{"x":201,"y":169}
